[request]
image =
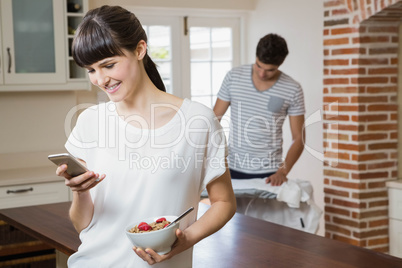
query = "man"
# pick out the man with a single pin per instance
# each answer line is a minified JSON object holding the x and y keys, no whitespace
{"x":260,"y":97}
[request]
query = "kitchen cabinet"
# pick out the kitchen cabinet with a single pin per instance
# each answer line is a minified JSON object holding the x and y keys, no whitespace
{"x":76,"y":10}
{"x":395,"y":217}
{"x":27,"y":187}
{"x":34,"y":46}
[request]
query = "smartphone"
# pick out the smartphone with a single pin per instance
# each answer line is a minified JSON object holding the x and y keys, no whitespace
{"x":74,"y":167}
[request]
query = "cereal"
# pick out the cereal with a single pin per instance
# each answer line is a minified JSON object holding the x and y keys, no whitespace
{"x":144,"y":227}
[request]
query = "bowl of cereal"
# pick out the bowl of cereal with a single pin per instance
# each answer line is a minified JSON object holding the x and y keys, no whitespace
{"x":153,"y":233}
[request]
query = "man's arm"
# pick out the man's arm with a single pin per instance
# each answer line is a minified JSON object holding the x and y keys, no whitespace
{"x":295,"y":150}
{"x":220,"y":108}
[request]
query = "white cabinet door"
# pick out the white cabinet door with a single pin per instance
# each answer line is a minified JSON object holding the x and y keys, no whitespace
{"x":33,"y":49}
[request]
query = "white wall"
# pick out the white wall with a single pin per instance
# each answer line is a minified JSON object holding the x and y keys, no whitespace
{"x":301,"y":24}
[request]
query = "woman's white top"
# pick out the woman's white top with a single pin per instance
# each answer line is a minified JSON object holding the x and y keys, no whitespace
{"x":149,"y":172}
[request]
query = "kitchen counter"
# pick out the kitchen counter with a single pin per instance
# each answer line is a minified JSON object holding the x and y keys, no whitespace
{"x":242,"y":242}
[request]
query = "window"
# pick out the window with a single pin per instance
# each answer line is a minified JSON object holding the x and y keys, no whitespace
{"x":192,"y":54}
{"x":212,"y":47}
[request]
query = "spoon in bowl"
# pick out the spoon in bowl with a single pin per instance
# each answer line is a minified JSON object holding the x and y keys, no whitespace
{"x":180,"y":217}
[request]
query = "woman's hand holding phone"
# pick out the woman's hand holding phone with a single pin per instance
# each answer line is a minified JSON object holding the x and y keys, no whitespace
{"x":76,"y":175}
{"x":80,"y":183}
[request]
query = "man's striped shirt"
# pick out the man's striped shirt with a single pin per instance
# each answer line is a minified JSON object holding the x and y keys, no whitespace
{"x":256,"y":119}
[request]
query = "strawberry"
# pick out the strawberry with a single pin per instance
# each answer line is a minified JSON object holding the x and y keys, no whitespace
{"x":160,"y":220}
{"x":166,"y":225}
{"x":142,"y":223}
{"x":144,"y":227}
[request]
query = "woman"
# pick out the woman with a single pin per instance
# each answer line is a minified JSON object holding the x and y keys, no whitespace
{"x":150,"y":153}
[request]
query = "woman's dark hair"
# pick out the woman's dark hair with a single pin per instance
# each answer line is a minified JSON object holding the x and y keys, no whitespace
{"x":272,"y":49}
{"x":105,"y":32}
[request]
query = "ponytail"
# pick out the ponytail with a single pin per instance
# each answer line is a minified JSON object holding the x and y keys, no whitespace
{"x":152,"y":72}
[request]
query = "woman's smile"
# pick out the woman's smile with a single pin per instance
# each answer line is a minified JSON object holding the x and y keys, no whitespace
{"x":113,"y":89}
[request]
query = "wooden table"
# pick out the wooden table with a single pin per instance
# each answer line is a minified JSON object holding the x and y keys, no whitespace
{"x":243,"y":242}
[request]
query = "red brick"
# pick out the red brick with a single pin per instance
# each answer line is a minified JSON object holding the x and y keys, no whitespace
{"x":347,"y":127}
{"x":382,"y":165}
{"x":336,"y":117}
{"x":334,"y":155}
{"x":352,"y":71}
{"x":338,"y":211}
{"x":348,"y":222}
{"x":369,"y":99}
{"x":341,"y":165}
{"x":333,"y":136}
{"x":367,"y":234}
{"x":350,"y":147}
{"x":370,"y":157}
{"x":381,"y":146}
{"x":336,"y":62}
{"x":347,"y":108}
{"x":376,"y":184}
{"x":369,"y":80}
{"x":378,"y":241}
{"x":385,"y":89}
{"x":383,"y":50}
{"x":351,"y":185}
{"x":336,"y":173}
{"x":381,"y":203}
{"x":383,"y":71}
{"x":370,"y":39}
{"x":377,"y":223}
{"x":382,"y":107}
{"x":368,"y":137}
{"x":341,"y":11}
{"x":370,"y":175}
{"x":369,"y":118}
{"x":337,"y":229}
{"x":368,"y":196}
{"x":344,"y":90}
{"x":366,"y":61}
{"x":348,"y":51}
{"x":382,"y":127}
{"x":337,"y":31}
{"x":336,"y":41}
{"x":348,"y":204}
{"x":336,"y":81}
{"x":382,"y":29}
{"x":331,"y":99}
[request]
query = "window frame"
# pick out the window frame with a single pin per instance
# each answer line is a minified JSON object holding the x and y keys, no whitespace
{"x":181,"y":72}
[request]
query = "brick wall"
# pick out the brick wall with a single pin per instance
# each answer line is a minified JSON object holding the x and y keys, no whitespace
{"x":360,"y":123}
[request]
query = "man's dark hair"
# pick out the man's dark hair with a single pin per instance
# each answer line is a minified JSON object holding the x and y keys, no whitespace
{"x":272,"y":49}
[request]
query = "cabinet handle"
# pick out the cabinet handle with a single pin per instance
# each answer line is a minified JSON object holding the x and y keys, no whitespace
{"x":19,"y":191}
{"x":9,"y":60}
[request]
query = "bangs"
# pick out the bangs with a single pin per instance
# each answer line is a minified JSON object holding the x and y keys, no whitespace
{"x":93,"y":43}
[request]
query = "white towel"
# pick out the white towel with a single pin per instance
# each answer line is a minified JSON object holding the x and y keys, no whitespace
{"x":291,"y":192}
{"x":295,"y":209}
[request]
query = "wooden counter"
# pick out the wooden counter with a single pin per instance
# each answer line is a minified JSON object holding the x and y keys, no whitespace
{"x":242,"y":242}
